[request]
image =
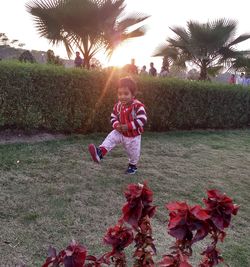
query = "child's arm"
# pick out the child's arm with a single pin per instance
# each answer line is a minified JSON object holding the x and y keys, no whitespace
{"x":114,"y":119}
{"x":140,"y":118}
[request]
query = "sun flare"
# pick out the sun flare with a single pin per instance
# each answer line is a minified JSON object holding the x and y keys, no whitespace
{"x":121,"y":56}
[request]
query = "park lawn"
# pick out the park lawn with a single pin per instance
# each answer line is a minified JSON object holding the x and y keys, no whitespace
{"x":51,"y":192}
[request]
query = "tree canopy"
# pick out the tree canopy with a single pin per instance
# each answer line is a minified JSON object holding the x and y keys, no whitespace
{"x":89,"y":25}
{"x":208,"y":45}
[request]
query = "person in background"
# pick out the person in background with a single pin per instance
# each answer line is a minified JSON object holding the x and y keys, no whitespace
{"x":78,"y":60}
{"x":144,"y":70}
{"x":241,"y":79}
{"x":164,"y":72}
{"x":247,"y":81}
{"x":152,"y":70}
{"x":132,"y":69}
{"x":232,"y":79}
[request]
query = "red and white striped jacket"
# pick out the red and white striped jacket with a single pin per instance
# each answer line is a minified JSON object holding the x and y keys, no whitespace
{"x":133,"y":115}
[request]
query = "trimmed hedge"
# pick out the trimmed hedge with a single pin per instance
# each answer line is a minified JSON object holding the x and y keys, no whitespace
{"x":34,"y":96}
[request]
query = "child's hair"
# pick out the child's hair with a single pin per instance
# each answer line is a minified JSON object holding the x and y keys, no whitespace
{"x":129,"y":83}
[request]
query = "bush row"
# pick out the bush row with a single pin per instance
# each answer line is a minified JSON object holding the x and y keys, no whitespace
{"x":36,"y":96}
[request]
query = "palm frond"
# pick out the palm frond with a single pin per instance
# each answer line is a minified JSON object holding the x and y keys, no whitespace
{"x":213,"y":71}
{"x":42,"y":4}
{"x":212,"y":35}
{"x":228,"y":53}
{"x":241,"y":64}
{"x":130,"y":20}
{"x":245,"y":52}
{"x":135,"y":33}
{"x":109,"y":11}
{"x":239,"y":39}
{"x":182,"y":34}
{"x":180,"y":62}
{"x":166,"y":50}
{"x":46,"y":19}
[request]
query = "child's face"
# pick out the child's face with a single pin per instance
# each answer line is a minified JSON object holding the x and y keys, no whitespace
{"x":124,"y":95}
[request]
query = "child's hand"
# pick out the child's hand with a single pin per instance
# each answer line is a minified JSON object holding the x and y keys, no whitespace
{"x":124,"y":127}
{"x":119,"y":128}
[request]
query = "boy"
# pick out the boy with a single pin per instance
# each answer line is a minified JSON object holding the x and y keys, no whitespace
{"x":128,"y":119}
{"x":78,"y":60}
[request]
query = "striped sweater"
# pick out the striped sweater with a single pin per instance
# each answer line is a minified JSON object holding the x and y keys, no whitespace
{"x":133,"y":115}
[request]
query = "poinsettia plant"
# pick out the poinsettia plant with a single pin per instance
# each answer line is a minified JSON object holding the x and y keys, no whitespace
{"x":119,"y":237}
{"x":137,"y":212}
{"x":220,"y":208}
{"x":139,"y":204}
{"x":73,"y":256}
{"x":187,"y":224}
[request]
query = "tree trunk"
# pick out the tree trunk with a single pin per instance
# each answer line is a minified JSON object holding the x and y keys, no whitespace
{"x":203,"y":71}
{"x":86,"y":61}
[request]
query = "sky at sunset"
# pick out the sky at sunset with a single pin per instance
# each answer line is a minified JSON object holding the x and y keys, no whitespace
{"x":18,"y":24}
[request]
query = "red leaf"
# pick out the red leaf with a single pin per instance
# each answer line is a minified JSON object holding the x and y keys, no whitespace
{"x":185,"y":264}
{"x":167,"y":261}
{"x":201,"y":234}
{"x":175,"y":220}
{"x":118,"y":237}
{"x":180,"y":233}
{"x":173,"y":206}
{"x":132,"y":212}
{"x":91,"y":258}
{"x":48,"y":262}
{"x":214,"y":193}
{"x":75,"y":255}
{"x":235,"y":209}
{"x":199,"y":212}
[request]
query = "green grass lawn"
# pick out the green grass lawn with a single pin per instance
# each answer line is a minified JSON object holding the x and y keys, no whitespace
{"x":51,"y":192}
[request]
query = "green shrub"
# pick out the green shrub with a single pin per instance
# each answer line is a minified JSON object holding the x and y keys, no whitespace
{"x":59,"y":99}
{"x":178,"y":104}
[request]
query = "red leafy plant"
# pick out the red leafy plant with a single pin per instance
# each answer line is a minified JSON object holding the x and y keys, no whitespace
{"x":137,"y":212}
{"x":220,"y":208}
{"x":185,"y":221}
{"x":139,"y":204}
{"x":73,"y":256}
{"x":189,"y":224}
{"x":174,"y":260}
{"x":119,"y":237}
{"x":211,"y":257}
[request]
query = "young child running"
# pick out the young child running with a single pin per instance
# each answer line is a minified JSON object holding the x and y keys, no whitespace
{"x":128,"y":119}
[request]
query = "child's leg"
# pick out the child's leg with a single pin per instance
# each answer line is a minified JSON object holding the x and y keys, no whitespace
{"x":113,"y":139}
{"x":133,"y":148}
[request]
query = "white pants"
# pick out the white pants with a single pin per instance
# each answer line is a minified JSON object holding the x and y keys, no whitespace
{"x":132,"y":145}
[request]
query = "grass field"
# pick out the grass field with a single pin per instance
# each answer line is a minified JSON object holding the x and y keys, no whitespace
{"x":51,"y":192}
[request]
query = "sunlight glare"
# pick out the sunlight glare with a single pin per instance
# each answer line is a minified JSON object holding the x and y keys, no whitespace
{"x":121,"y":56}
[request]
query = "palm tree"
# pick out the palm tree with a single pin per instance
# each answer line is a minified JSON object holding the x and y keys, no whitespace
{"x":208,"y":45}
{"x":90,"y":25}
{"x":242,"y":63}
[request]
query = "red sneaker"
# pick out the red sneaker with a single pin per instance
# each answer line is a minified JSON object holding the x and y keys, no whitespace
{"x":95,"y":153}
